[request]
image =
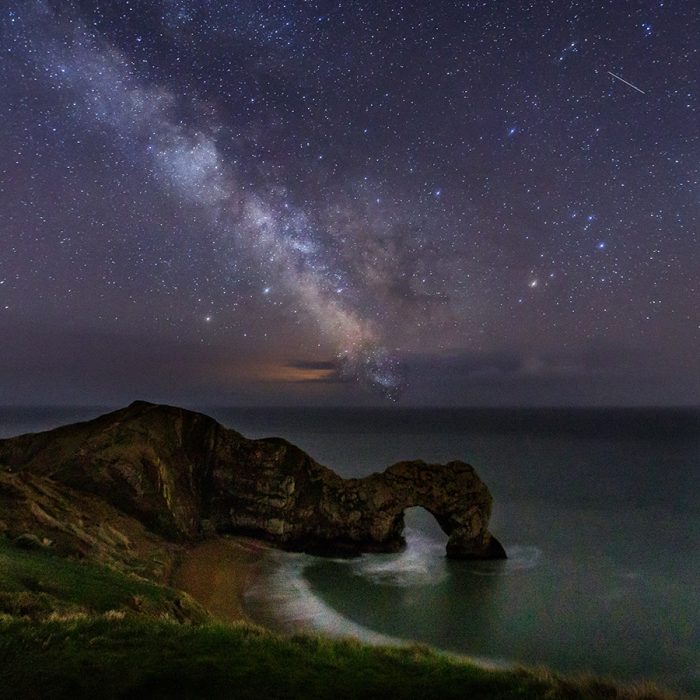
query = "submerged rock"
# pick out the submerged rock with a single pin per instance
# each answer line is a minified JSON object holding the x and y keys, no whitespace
{"x":182,"y":475}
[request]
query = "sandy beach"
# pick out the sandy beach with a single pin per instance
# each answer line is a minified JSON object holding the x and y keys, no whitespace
{"x":215,"y":572}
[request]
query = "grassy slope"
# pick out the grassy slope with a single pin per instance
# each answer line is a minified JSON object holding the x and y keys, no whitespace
{"x":82,"y":635}
{"x":137,"y":658}
{"x":35,"y":584}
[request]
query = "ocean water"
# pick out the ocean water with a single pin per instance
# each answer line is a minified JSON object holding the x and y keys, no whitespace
{"x":599,"y":511}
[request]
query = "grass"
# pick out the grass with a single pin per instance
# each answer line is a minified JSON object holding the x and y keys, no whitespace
{"x":110,"y":658}
{"x":83,"y":636}
{"x":37,"y":584}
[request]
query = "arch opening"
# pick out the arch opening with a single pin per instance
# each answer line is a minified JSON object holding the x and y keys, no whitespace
{"x":420,"y":523}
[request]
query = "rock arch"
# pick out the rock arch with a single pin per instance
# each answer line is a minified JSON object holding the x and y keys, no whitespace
{"x":184,"y":475}
{"x":452,"y":493}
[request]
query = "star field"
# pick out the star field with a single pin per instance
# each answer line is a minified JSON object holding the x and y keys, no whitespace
{"x":446,"y":202}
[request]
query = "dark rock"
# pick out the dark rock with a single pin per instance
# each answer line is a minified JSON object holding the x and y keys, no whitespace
{"x":181,"y":473}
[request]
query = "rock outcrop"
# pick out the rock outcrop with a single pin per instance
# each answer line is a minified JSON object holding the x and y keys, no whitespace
{"x":38,"y":512}
{"x":182,"y":475}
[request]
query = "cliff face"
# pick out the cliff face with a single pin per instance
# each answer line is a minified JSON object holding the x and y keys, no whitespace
{"x":182,"y":474}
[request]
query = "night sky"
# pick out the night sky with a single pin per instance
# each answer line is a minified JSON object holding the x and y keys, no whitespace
{"x":443,"y":203}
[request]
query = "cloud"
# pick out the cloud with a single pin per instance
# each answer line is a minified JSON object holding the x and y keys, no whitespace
{"x":323,"y":365}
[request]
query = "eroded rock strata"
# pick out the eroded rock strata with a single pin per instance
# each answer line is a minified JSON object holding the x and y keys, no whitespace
{"x":182,"y":475}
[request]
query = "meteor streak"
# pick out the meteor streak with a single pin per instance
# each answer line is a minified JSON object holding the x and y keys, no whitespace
{"x":627,"y":83}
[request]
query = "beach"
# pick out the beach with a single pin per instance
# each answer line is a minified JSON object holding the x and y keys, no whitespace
{"x":215,"y":573}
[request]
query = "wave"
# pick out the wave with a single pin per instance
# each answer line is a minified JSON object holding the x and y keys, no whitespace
{"x":280,"y":597}
{"x":422,"y":563}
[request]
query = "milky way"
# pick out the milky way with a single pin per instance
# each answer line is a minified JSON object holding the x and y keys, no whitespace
{"x":450,"y":202}
{"x":186,"y":158}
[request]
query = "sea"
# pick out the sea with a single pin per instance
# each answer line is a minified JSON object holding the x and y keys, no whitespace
{"x":598,"y":510}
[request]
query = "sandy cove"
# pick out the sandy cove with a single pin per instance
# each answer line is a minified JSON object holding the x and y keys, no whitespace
{"x":215,"y":573}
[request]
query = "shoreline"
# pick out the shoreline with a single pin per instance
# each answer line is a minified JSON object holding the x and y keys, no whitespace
{"x":218,"y":572}
{"x":322,"y":619}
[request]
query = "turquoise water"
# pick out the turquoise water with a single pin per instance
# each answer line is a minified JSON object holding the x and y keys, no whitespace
{"x":598,"y":510}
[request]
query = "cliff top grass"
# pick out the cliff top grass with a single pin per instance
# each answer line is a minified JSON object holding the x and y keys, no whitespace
{"x":115,"y":658}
